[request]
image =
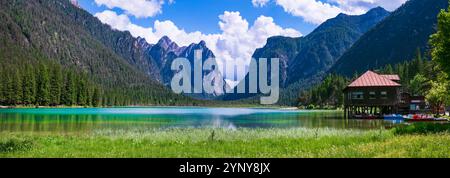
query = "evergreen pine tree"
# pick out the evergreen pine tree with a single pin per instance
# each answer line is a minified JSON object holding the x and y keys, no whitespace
{"x":2,"y":88}
{"x":420,"y":63}
{"x":8,"y":88}
{"x":56,"y":85}
{"x":389,"y":69}
{"x":29,"y":85}
{"x":81,"y":91}
{"x":17,"y":88}
{"x":68,"y":94}
{"x":96,"y":97}
{"x":43,"y":86}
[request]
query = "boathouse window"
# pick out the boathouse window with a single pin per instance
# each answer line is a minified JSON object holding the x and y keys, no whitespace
{"x":372,"y":95}
{"x":384,"y":95}
{"x":358,"y":95}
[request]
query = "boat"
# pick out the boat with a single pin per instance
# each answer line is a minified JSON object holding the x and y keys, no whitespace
{"x":394,"y":117}
{"x":424,"y":118}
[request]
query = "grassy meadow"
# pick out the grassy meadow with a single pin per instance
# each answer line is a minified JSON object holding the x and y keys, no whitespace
{"x":403,"y":142}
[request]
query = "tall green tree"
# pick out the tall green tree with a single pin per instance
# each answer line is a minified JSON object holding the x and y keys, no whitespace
{"x":420,"y":64}
{"x":43,"y":86}
{"x":81,"y":91}
{"x":96,"y":97}
{"x":328,"y":93}
{"x":29,"y":85}
{"x":2,"y":96}
{"x":55,"y":85}
{"x":389,"y":69}
{"x":419,"y":85}
{"x":438,"y":94}
{"x":17,"y":88}
{"x":440,"y":42}
{"x":68,"y":95}
{"x":8,"y":88}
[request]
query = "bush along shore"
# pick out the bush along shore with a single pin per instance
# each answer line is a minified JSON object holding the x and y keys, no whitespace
{"x":413,"y":141}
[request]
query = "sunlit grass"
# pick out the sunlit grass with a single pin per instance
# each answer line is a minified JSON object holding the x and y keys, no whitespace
{"x":247,"y":143}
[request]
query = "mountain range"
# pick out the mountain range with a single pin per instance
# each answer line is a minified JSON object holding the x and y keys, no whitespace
{"x":305,"y":59}
{"x":72,"y":37}
{"x":315,"y":53}
{"x":68,"y":35}
{"x":152,"y":59}
{"x":395,"y":39}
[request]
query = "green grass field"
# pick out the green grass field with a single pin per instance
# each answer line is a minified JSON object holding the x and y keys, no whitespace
{"x":241,"y":143}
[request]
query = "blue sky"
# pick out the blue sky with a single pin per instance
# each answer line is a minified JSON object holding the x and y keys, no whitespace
{"x":203,"y":15}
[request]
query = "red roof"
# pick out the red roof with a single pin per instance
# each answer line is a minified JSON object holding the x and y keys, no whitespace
{"x":372,"y":79}
{"x":392,"y":77}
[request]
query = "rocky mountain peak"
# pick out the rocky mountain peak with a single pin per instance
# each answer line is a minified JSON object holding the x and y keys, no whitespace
{"x":377,"y":10}
{"x":142,"y":43}
{"x":202,"y":44}
{"x":166,"y":43}
{"x":75,"y":3}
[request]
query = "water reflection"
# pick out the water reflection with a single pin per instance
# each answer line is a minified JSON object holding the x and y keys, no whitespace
{"x":86,"y":120}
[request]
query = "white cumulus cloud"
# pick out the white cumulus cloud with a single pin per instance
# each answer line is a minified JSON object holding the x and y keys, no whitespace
{"x":123,"y":23}
{"x":311,"y":11}
{"x":235,"y":44}
{"x":316,"y":11}
{"x":137,"y":8}
{"x":259,"y":3}
{"x":390,"y":5}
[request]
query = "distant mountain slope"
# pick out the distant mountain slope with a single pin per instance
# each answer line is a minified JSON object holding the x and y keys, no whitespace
{"x":393,"y":40}
{"x":70,"y":36}
{"x":165,"y":51}
{"x":315,"y":53}
{"x":188,"y":52}
{"x":149,"y":58}
{"x":46,"y":26}
{"x":303,"y":60}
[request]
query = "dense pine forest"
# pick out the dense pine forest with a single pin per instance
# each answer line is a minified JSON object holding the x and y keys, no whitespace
{"x":30,"y":79}
{"x":46,"y":85}
{"x":49,"y":58}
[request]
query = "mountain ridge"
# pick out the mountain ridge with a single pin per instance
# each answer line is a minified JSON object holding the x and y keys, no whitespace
{"x":315,"y":53}
{"x":393,"y":40}
{"x":304,"y":60}
{"x":71,"y":37}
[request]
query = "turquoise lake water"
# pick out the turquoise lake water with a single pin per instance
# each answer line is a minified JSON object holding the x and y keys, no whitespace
{"x":90,"y":119}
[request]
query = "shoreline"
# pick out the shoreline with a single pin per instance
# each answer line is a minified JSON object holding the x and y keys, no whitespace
{"x":274,"y":107}
{"x":150,"y":106}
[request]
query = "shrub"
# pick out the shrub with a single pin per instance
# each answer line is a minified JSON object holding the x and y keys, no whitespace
{"x":14,"y":145}
{"x":421,"y":128}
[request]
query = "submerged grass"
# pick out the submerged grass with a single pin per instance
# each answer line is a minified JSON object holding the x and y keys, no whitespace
{"x":211,"y":143}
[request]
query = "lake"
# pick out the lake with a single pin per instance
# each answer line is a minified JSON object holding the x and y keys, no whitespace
{"x":91,"y":119}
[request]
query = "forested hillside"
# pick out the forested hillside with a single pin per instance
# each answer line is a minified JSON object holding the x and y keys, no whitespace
{"x":315,"y":53}
{"x":304,"y":61}
{"x":49,"y":34}
{"x":415,"y":78}
{"x":394,"y":40}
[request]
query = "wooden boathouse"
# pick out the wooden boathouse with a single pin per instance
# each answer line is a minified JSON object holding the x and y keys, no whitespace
{"x":372,"y":95}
